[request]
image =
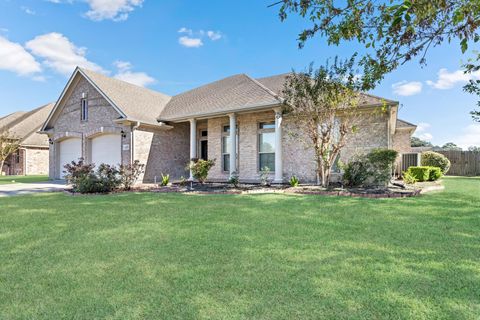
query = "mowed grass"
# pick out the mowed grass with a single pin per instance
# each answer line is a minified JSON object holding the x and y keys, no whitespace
{"x":171,"y":256}
{"x":22,"y":179}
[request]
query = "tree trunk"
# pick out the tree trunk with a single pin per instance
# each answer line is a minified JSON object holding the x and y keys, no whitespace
{"x":2,"y":162}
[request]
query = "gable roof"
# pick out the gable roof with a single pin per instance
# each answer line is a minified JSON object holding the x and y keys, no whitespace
{"x":132,"y":102}
{"x":402,"y":124}
{"x":25,"y":126}
{"x":228,"y":94}
{"x":10,"y":119}
{"x":276,"y":84}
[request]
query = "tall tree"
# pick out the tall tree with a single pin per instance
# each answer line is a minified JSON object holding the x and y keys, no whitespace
{"x":393,"y":32}
{"x":323,"y":103}
{"x":450,"y":146}
{"x":8,"y":146}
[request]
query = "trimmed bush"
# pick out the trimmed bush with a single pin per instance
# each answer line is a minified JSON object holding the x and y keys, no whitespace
{"x":435,"y":174}
{"x":356,"y":172}
{"x":381,"y":165}
{"x":200,"y":169}
{"x":435,"y":159}
{"x":420,"y":173}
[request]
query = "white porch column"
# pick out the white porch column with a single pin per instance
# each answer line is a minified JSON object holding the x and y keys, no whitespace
{"x":233,"y":144}
{"x":278,"y":146}
{"x":193,"y":142}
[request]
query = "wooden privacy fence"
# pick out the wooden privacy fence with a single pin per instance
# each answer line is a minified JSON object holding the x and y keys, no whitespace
{"x":464,"y":163}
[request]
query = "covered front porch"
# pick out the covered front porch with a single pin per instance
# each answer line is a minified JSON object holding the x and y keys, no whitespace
{"x":256,"y":144}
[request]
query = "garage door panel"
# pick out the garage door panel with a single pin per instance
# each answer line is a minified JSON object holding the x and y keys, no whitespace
{"x":106,"y":149}
{"x":69,"y":150}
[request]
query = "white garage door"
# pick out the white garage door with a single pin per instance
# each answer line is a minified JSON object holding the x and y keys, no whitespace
{"x":107,"y":149}
{"x":70,"y":150}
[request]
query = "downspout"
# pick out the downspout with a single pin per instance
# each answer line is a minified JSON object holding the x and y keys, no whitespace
{"x":389,"y":134}
{"x":132,"y":153}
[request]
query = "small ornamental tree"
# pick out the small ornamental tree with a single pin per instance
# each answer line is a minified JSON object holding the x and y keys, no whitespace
{"x":324,"y":103}
{"x":200,"y":169}
{"x":8,"y":146}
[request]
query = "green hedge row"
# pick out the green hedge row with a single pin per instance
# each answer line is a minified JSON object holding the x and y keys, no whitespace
{"x":425,"y":173}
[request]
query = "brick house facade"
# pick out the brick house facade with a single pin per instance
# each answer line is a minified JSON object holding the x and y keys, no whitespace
{"x":164,"y":133}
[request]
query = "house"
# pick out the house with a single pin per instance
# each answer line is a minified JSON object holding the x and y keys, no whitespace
{"x":33,"y":155}
{"x":237,"y":120}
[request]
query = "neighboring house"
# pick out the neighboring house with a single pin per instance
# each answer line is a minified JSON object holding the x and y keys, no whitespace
{"x":33,"y":154}
{"x":105,"y":120}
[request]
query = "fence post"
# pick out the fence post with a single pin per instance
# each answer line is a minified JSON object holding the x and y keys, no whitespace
{"x":419,"y":159}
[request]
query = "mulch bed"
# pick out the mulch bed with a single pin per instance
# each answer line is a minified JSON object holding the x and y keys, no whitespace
{"x":393,"y":191}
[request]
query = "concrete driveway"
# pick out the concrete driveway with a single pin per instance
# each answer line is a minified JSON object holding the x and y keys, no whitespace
{"x":17,"y":189}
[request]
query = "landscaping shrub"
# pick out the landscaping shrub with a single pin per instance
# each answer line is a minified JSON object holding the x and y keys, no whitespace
{"x":408,"y":178}
{"x":129,"y":174}
{"x":435,"y":159}
{"x":420,"y":173}
{"x":265,"y":176}
{"x":434,"y":174}
{"x":165,"y":180}
{"x":200,"y":169}
{"x":356,"y":172}
{"x":381,"y":165}
{"x":234,"y":180}
{"x":294,"y":182}
{"x":84,"y":179}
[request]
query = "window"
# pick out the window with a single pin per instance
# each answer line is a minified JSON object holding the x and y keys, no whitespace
{"x":266,"y":145}
{"x":226,"y":147}
{"x":17,"y":157}
{"x":84,"y":110}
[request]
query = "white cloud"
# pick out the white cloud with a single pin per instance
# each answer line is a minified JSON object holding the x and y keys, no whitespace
{"x":116,"y":10}
{"x":190,"y":42}
{"x":137,"y":78}
{"x":422,"y":133}
{"x":447,"y":80}
{"x":405,"y":88}
{"x":60,"y":54}
{"x":194,"y":39}
{"x":469,"y":137}
{"x":13,"y":57}
{"x":27,"y":10}
{"x":214,"y":36}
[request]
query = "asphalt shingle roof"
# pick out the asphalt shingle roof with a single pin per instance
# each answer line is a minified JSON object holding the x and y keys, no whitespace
{"x":10,"y":119}
{"x":137,"y":103}
{"x":229,"y":94}
{"x":405,"y":124}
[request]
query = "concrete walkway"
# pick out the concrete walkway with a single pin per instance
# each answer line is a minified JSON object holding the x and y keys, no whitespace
{"x":17,"y":189}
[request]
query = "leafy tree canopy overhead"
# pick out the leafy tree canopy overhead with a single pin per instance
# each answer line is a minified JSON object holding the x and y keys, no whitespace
{"x":393,"y":31}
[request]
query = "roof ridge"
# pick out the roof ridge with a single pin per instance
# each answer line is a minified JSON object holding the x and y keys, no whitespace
{"x":264,"y":88}
{"x":126,"y":82}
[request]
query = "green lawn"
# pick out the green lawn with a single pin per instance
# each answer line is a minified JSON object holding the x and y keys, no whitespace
{"x":170,"y":256}
{"x":22,"y":179}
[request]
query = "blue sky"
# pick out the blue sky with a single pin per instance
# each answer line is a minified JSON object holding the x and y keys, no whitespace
{"x":172,"y":46}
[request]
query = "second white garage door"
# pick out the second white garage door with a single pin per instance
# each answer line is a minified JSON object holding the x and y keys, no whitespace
{"x":107,"y":149}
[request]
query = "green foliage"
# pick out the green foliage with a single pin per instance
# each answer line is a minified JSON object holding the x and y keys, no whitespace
{"x":234,"y":180}
{"x":200,"y":169}
{"x":183,"y":181}
{"x":450,"y":146}
{"x":374,"y":168}
{"x":408,"y":178}
{"x":84,"y":179}
{"x":417,"y":142}
{"x":435,"y":174}
{"x":8,"y":146}
{"x":129,"y":174}
{"x":356,"y":172}
{"x":420,"y":173}
{"x":265,"y":176}
{"x":165,"y":179}
{"x":392,"y":32}
{"x":381,"y":165}
{"x":435,"y":159}
{"x":294,"y":181}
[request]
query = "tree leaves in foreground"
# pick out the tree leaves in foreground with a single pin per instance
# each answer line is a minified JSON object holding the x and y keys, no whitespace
{"x":8,"y":146}
{"x":393,"y":32}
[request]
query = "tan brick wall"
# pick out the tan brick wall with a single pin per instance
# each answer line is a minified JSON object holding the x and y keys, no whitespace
{"x":36,"y":161}
{"x":166,"y":151}
{"x":401,"y":141}
{"x":100,"y":114}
